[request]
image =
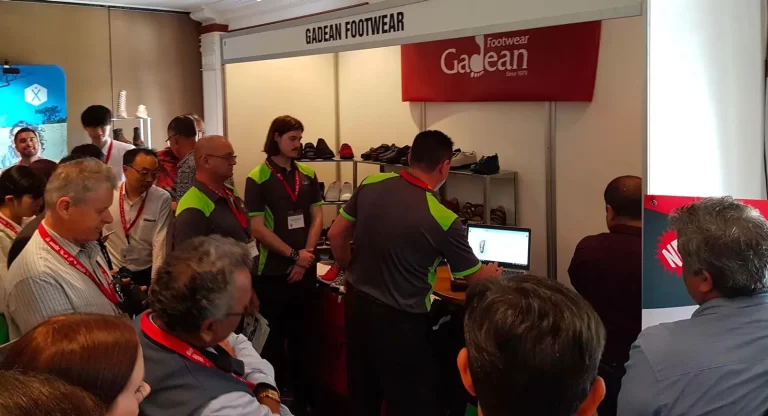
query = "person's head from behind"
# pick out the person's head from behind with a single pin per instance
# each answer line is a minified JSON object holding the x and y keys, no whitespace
{"x":202,"y":290}
{"x":44,"y":168}
{"x":78,"y":197}
{"x":140,"y":167}
{"x":89,"y":150}
{"x":24,"y":394}
{"x":624,"y":201}
{"x":215,"y":158}
{"x":724,"y":247}
{"x":431,"y":154}
{"x":26,"y":143}
{"x":21,"y":191}
{"x":284,"y":137}
{"x":182,"y":134}
{"x":99,"y":353}
{"x":532,"y":348}
{"x":97,"y":122}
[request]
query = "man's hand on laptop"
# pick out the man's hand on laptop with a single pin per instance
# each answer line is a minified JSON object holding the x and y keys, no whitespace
{"x":487,"y":271}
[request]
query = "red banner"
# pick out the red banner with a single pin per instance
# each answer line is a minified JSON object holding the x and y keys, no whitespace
{"x":548,"y":64}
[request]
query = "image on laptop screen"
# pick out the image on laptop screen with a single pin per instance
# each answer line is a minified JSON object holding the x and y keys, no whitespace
{"x":506,"y":245}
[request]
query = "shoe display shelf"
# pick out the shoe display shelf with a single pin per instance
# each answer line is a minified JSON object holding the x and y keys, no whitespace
{"x":503,"y":175}
{"x":144,"y":124}
{"x":339,"y":204}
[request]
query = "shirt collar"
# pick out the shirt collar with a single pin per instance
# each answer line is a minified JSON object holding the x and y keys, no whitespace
{"x":279,"y":169}
{"x":15,"y":226}
{"x":210,"y":193}
{"x":121,"y":188}
{"x":626,"y":229}
{"x":106,"y":144}
{"x":90,"y":248}
{"x":720,"y":305}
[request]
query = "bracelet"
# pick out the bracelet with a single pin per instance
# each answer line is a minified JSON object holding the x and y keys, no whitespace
{"x":269,"y":394}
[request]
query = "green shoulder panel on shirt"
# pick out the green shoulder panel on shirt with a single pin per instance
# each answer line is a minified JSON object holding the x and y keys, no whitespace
{"x":444,"y":216}
{"x":194,"y":198}
{"x":379,"y":177}
{"x":305,"y":169}
{"x":260,"y":174}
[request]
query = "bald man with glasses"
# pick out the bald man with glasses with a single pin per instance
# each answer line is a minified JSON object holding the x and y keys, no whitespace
{"x":142,"y":214}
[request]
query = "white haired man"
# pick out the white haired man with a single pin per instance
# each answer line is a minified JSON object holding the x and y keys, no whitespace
{"x":62,"y":269}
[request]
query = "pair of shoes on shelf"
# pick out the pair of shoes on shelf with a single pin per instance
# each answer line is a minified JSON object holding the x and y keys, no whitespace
{"x":472,"y":213}
{"x":345,"y":152}
{"x":499,"y":215}
{"x":396,"y":155}
{"x":339,"y":192}
{"x":463,"y":160}
{"x":487,"y":165}
{"x":321,"y":151}
{"x":375,"y":151}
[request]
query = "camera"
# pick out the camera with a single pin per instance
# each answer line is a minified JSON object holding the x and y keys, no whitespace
{"x":133,"y":300}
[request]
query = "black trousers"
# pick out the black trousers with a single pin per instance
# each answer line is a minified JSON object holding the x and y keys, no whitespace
{"x":612,"y":374}
{"x":287,"y":306}
{"x":142,"y":277}
{"x":389,"y":359}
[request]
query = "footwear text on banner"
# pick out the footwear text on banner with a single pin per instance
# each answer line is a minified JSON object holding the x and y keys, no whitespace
{"x":556,"y":63}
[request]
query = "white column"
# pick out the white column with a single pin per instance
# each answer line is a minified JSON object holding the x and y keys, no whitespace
{"x":213,"y":85}
{"x":706,"y":108}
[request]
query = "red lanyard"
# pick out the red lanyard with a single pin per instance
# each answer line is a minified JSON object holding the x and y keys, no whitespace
{"x":109,"y":151}
{"x":293,"y":194}
{"x":230,"y":197}
{"x":9,"y":225}
{"x":414,"y":180}
{"x":106,"y":289}
{"x":128,"y":227}
{"x":179,"y":347}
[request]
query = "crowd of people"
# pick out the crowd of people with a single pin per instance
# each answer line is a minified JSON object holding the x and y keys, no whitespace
{"x":114,"y":232}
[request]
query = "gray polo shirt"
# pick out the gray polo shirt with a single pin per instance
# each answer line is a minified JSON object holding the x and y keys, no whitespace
{"x":201,"y":211}
{"x":41,"y":284}
{"x":402,"y":233}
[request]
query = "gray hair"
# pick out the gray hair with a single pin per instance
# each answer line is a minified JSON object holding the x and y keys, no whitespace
{"x":78,"y":179}
{"x":727,"y":239}
{"x":195,"y":282}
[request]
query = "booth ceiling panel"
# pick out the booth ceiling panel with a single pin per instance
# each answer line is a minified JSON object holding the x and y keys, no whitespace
{"x":217,"y":6}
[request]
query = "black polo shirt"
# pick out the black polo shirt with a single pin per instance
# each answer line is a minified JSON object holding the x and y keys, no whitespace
{"x":402,"y":233}
{"x":201,"y":211}
{"x":269,"y":196}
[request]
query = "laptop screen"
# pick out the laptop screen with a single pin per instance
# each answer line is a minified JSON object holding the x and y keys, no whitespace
{"x":509,"y":246}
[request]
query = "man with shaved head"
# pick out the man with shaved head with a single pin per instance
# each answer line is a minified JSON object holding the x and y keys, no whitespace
{"x":211,"y":206}
{"x":606,"y":271}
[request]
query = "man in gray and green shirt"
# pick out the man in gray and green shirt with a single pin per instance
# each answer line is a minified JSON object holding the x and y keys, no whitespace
{"x":401,"y":234}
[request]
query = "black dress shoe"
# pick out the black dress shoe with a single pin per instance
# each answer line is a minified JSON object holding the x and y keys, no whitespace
{"x":398,"y":155}
{"x":309,"y":151}
{"x":381,"y":150}
{"x":323,"y":150}
{"x":384,"y":157}
{"x":487,"y":165}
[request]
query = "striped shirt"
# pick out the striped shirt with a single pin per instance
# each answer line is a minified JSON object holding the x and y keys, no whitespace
{"x":41,"y":284}
{"x":6,"y":240}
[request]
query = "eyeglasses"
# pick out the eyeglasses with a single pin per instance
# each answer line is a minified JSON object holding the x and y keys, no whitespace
{"x":146,"y":173}
{"x":228,"y":158}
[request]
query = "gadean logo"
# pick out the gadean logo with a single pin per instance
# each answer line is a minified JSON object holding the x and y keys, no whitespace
{"x":514,"y":62}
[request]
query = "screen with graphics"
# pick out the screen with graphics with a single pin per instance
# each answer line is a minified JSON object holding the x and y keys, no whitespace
{"x":500,"y":245}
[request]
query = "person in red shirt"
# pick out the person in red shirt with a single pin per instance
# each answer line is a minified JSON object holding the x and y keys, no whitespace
{"x":183,"y":132}
{"x":606,"y":270}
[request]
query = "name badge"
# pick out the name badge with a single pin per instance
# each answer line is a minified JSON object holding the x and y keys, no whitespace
{"x":253,"y":248}
{"x":295,"y":221}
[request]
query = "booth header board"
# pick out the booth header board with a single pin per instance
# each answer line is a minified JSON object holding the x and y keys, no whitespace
{"x":556,"y":63}
{"x":664,"y":293}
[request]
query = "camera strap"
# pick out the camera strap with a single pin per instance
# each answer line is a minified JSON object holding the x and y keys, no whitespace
{"x":104,"y":285}
{"x":154,"y":333}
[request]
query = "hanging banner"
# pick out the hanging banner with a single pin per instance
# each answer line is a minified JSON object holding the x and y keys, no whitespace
{"x":665,"y":297}
{"x":33,"y":96}
{"x":556,"y":63}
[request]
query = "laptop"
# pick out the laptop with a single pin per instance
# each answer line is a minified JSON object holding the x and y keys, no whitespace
{"x":510,"y":247}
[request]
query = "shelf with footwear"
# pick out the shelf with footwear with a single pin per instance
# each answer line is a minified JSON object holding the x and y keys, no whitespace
{"x":503,"y":174}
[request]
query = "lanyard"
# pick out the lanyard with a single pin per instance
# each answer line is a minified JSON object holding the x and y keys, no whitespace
{"x":230,"y":197}
{"x":293,"y":194}
{"x":179,"y":347}
{"x":106,"y":289}
{"x":109,"y":152}
{"x":414,"y":180}
{"x":9,"y":225}
{"x":128,"y":227}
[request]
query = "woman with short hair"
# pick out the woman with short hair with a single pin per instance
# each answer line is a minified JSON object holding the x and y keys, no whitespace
{"x":99,"y":353}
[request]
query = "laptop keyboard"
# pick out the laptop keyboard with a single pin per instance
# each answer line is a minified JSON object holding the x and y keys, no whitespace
{"x":512,"y":273}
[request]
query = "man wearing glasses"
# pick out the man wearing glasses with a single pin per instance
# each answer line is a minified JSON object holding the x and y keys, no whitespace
{"x":211,"y":206}
{"x":142,"y":214}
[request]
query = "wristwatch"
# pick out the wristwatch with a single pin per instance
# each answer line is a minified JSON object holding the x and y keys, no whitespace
{"x":294,"y":255}
{"x":269,"y":394}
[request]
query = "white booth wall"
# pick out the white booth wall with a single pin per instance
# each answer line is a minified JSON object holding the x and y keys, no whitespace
{"x":595,"y":142}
